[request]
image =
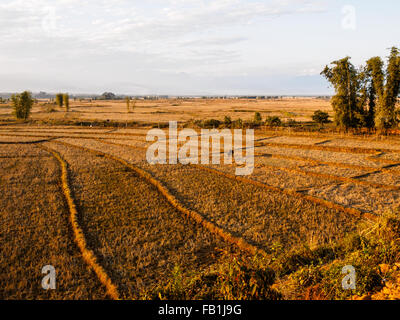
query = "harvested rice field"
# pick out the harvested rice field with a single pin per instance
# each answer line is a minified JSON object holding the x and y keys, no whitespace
{"x":87,"y":202}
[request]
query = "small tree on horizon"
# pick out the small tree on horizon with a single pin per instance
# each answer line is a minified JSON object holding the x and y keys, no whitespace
{"x":227,"y":121}
{"x":128,"y":104}
{"x":22,"y":104}
{"x":59,"y":99}
{"x":257,"y":117}
{"x":65,"y":99}
{"x":273,"y":121}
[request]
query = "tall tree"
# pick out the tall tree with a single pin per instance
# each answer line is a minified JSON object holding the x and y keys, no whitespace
{"x":385,"y":86}
{"x":347,"y":102}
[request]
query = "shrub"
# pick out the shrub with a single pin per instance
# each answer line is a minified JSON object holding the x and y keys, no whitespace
{"x":48,"y":107}
{"x":257,"y":117}
{"x":377,"y":244}
{"x":211,"y":123}
{"x":273,"y":121}
{"x":227,"y":121}
{"x":320,"y":117}
{"x":22,"y":104}
{"x":238,"y":124}
{"x":291,"y":123}
{"x":59,"y":99}
{"x":236,"y":279}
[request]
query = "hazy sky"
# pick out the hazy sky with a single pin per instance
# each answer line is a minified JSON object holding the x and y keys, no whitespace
{"x":187,"y":46}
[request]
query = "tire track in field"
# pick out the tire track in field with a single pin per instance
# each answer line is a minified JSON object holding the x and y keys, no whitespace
{"x":225,"y":235}
{"x":319,"y":201}
{"x":87,"y":254}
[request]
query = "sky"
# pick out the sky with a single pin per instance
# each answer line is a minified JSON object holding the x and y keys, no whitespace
{"x":188,"y":47}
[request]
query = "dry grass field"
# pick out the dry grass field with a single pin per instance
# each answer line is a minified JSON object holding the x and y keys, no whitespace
{"x":299,"y":109}
{"x":85,"y":200}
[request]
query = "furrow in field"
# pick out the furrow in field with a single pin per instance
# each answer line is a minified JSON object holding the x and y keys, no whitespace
{"x":80,"y":239}
{"x":227,"y":236}
{"x":138,"y":235}
{"x":296,"y":184}
{"x":293,"y":183}
{"x":260,"y":214}
{"x":35,"y":231}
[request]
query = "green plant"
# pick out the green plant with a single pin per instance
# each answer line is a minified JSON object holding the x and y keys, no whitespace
{"x":22,"y":105}
{"x":227,"y":121}
{"x":385,"y":86}
{"x":291,"y":123}
{"x":347,"y":102}
{"x":273,"y":121}
{"x":66,"y":101}
{"x":211,"y":123}
{"x":238,"y":124}
{"x":366,"y":250}
{"x":320,"y":117}
{"x":236,"y":279}
{"x":59,"y":99}
{"x":239,"y":280}
{"x":128,"y":104}
{"x":257,"y":117}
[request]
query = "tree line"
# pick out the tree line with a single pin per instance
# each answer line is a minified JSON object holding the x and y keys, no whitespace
{"x":366,"y":97}
{"x":22,"y":103}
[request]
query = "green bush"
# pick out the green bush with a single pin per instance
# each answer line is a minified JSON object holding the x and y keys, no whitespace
{"x":238,"y":124}
{"x":320,"y":117}
{"x":211,"y":123}
{"x":273,"y":121}
{"x":236,"y":279}
{"x":22,"y":104}
{"x":227,"y":121}
{"x":65,"y":100}
{"x":257,"y":117}
{"x":365,"y":251}
{"x":291,"y":123}
{"x":59,"y":99}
